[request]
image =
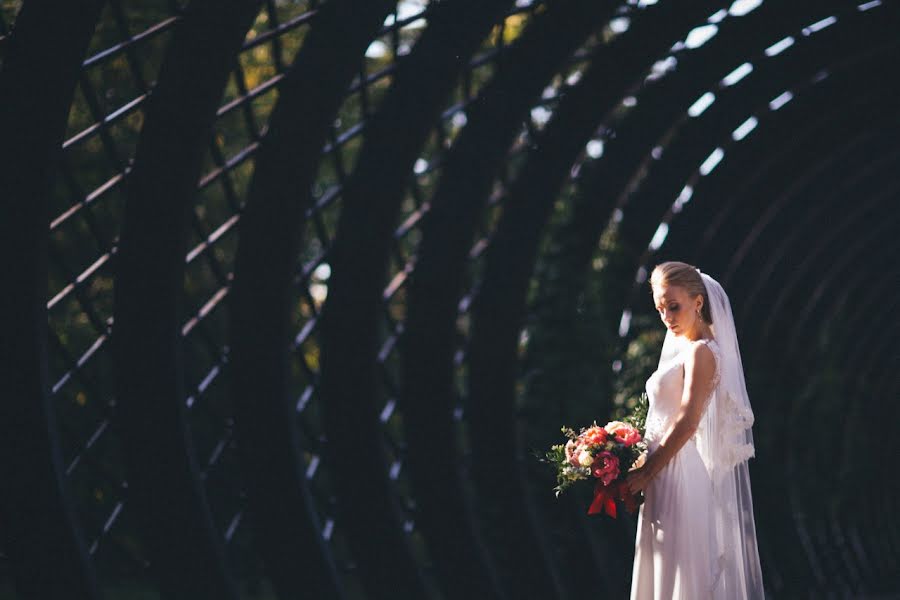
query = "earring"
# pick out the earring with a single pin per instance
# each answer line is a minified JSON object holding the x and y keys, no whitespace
{"x":699,"y":316}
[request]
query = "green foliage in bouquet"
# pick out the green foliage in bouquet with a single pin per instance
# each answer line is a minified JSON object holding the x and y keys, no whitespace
{"x":566,"y":474}
{"x":638,"y":416}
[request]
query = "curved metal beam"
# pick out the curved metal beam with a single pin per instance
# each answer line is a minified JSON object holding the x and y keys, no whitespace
{"x":868,"y":541}
{"x":781,"y":170}
{"x":41,"y":533}
{"x":661,"y":108}
{"x":685,"y":153}
{"x":886,"y":578}
{"x":860,"y":157}
{"x":309,"y":97}
{"x":771,"y":322}
{"x":164,"y":481}
{"x":429,"y":340}
{"x":720,"y":180}
{"x":822,"y":551}
{"x":775,"y":383}
{"x":359,"y":257}
{"x":714,"y":186}
{"x":753,"y":152}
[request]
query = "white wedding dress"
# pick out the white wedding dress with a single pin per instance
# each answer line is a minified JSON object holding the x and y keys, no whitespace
{"x":696,"y":537}
{"x":673,"y":550}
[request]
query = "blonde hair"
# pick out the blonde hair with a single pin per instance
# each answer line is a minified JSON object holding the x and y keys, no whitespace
{"x":683,"y":275}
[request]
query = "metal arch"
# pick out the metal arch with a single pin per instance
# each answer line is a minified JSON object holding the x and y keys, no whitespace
{"x":891,"y":378}
{"x":873,"y":203}
{"x":719,"y":179}
{"x":878,"y":302}
{"x":804,"y":223}
{"x":855,"y":359}
{"x":876,"y":557}
{"x":717,"y":184}
{"x":804,"y":148}
{"x":784,"y":376}
{"x":41,"y":533}
{"x":371,"y":200}
{"x":787,"y":117}
{"x":806,"y":313}
{"x":435,"y":285}
{"x":778,"y":377}
{"x":858,"y":150}
{"x":498,"y":309}
{"x":769,"y":323}
{"x":872,"y":522}
{"x":661,"y":104}
{"x":684,"y":153}
{"x":840,"y":303}
{"x":879,"y":288}
{"x":891,"y":533}
{"x":800,"y":225}
{"x":601,"y":182}
{"x":845,"y":255}
{"x":805,"y":144}
{"x":164,"y":482}
{"x":276,"y":30}
{"x":854,"y":179}
{"x":887,"y":578}
{"x":862,"y":552}
{"x":287,"y":162}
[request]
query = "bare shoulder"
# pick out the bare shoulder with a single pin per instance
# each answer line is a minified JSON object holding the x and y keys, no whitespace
{"x":700,"y":361}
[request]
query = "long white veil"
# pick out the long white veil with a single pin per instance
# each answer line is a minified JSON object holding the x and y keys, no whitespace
{"x":725,"y":442}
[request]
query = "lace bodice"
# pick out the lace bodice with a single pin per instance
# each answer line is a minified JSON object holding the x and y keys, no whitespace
{"x":665,"y":388}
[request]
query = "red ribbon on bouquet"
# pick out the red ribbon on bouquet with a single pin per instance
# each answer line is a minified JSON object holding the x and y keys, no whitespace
{"x":605,"y":497}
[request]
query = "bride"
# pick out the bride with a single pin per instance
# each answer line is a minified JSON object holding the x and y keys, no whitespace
{"x":696,"y":537}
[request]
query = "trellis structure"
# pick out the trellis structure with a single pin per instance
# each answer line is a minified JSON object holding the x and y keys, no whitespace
{"x":277,"y":275}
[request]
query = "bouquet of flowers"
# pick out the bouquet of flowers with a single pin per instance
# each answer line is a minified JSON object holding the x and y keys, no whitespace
{"x":605,"y":455}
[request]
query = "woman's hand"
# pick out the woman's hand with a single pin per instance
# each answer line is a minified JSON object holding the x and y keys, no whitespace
{"x":638,"y":479}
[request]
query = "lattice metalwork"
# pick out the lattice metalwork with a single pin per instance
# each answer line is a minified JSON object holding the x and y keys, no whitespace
{"x":320,"y":273}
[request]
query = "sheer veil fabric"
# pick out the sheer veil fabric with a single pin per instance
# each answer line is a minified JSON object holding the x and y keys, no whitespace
{"x":724,"y":441}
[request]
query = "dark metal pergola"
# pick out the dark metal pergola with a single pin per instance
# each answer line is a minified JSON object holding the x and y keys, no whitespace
{"x":273,"y":342}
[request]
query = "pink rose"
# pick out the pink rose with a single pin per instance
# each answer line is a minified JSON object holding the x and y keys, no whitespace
{"x":572,"y":453}
{"x":623,"y":432}
{"x":594,"y":435}
{"x":605,"y":467}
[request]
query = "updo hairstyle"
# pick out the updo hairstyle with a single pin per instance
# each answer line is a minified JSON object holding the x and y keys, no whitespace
{"x":683,"y":275}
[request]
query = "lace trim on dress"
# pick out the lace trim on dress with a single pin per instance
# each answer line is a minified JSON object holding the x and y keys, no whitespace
{"x":717,"y":376}
{"x":653,"y":427}
{"x":733,"y":418}
{"x":736,"y":421}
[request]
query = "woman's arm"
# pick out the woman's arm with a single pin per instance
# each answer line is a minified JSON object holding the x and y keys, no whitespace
{"x":699,"y":368}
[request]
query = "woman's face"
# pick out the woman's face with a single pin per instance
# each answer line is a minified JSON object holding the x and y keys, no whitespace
{"x":677,"y":310}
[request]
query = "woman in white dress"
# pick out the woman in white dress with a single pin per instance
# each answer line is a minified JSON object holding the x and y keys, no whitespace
{"x":696,"y":537}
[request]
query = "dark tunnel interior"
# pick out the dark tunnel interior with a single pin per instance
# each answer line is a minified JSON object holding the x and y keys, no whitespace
{"x":320,"y":275}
